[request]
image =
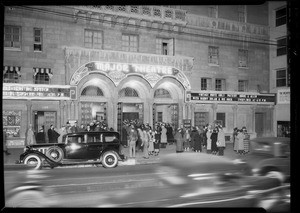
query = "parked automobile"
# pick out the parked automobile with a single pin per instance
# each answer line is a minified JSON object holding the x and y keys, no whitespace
{"x":270,"y":156}
{"x":77,"y":148}
{"x":202,"y":180}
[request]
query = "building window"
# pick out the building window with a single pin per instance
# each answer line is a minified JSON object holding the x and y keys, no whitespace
{"x":281,"y":47}
{"x":164,"y":46}
{"x":242,"y":13}
{"x":93,"y":39}
{"x":12,"y":37}
{"x":282,"y":78}
{"x":213,"y":55}
{"x":130,"y":43}
{"x":38,"y":39}
{"x":243,"y":86}
{"x":92,"y":91}
{"x":42,"y":75}
{"x":220,"y":85}
{"x":213,"y":11}
{"x":11,"y":74}
{"x":243,"y":58}
{"x":220,"y":119}
{"x":128,"y":92}
{"x":280,"y":17}
{"x":11,"y":123}
{"x":205,"y":83}
{"x":162,"y":93}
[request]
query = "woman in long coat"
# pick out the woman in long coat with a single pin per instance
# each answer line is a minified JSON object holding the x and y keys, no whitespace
{"x":179,"y":140}
{"x":145,"y":143}
{"x":187,"y":138}
{"x":196,"y":140}
{"x":163,"y":138}
{"x":208,"y":139}
{"x":214,"y":138}
{"x":151,"y":136}
{"x":221,"y":141}
{"x":157,"y":140}
{"x":240,"y":142}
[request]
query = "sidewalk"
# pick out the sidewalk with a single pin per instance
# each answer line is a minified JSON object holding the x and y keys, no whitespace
{"x":228,"y":152}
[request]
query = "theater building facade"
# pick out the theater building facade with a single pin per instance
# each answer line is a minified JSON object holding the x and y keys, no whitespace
{"x":161,"y":75}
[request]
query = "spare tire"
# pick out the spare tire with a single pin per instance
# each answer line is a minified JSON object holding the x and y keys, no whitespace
{"x":55,"y":153}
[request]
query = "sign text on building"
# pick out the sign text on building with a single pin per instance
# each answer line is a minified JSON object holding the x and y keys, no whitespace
{"x":232,"y":97}
{"x":26,"y":91}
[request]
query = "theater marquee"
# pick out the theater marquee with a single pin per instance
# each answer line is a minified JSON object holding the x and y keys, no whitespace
{"x":241,"y":98}
{"x":33,"y":91}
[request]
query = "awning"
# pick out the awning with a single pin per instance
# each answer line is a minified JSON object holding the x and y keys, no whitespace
{"x":42,"y":70}
{"x":12,"y":69}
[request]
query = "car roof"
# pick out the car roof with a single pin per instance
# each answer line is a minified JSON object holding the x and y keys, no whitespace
{"x":271,"y":139}
{"x":92,"y":132}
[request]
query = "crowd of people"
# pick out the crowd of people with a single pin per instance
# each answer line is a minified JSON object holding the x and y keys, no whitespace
{"x":142,"y":137}
{"x":55,"y":135}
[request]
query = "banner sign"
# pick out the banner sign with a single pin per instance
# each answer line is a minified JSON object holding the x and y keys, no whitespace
{"x":32,"y":91}
{"x":234,"y":97}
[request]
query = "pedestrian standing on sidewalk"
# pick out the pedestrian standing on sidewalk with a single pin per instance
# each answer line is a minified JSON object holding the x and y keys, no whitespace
{"x":145,"y":142}
{"x":140,"y":138}
{"x":151,"y":136}
{"x":240,"y":141}
{"x":246,"y":140}
{"x":214,"y":138}
{"x":221,"y":141}
{"x":208,"y":139}
{"x":30,"y":137}
{"x":62,"y":131}
{"x":5,"y":149}
{"x":234,"y":134}
{"x":163,"y":139}
{"x":196,"y":140}
{"x":187,"y":139}
{"x":157,"y":140}
{"x":179,"y":140}
{"x":133,"y":136}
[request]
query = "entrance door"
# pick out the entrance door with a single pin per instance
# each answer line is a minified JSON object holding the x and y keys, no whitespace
{"x":259,"y":124}
{"x":130,"y":116}
{"x":42,"y":118}
{"x":200,"y":118}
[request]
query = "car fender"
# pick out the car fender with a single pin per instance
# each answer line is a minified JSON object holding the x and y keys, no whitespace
{"x":275,"y":164}
{"x":41,"y":155}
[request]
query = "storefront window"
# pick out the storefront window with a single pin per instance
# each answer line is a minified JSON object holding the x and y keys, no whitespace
{"x":12,"y":123}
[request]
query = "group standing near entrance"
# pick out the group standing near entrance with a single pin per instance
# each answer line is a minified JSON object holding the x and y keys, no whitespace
{"x":143,"y":138}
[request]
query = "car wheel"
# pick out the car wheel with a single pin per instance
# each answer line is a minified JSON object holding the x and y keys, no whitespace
{"x":33,"y":160}
{"x":275,"y":174}
{"x":55,"y":153}
{"x":268,"y":201}
{"x":27,"y":199}
{"x":109,"y":160}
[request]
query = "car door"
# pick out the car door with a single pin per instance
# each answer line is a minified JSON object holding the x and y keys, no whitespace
{"x":94,"y":145}
{"x":76,"y":146}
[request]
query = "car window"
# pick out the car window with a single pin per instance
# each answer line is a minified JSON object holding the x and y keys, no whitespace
{"x":93,"y":138}
{"x":110,"y":137}
{"x":75,"y":139}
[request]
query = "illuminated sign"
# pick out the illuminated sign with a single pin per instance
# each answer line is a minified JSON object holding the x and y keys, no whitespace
{"x":29,"y":91}
{"x":130,"y":68}
{"x":221,"y":97}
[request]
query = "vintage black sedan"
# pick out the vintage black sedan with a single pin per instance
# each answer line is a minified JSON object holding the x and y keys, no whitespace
{"x":77,"y":148}
{"x":202,"y":180}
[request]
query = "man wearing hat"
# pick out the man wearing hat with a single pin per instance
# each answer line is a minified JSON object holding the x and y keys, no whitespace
{"x":75,"y":128}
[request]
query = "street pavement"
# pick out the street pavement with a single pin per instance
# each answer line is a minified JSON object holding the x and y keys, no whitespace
{"x":228,"y":152}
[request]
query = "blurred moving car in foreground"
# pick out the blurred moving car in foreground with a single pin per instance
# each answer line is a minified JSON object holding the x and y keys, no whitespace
{"x":27,"y":188}
{"x":202,"y":180}
{"x":270,"y":156}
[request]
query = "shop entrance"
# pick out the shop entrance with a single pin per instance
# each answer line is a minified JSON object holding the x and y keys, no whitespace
{"x":167,"y":113}
{"x":44,"y":119}
{"x":259,"y":124}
